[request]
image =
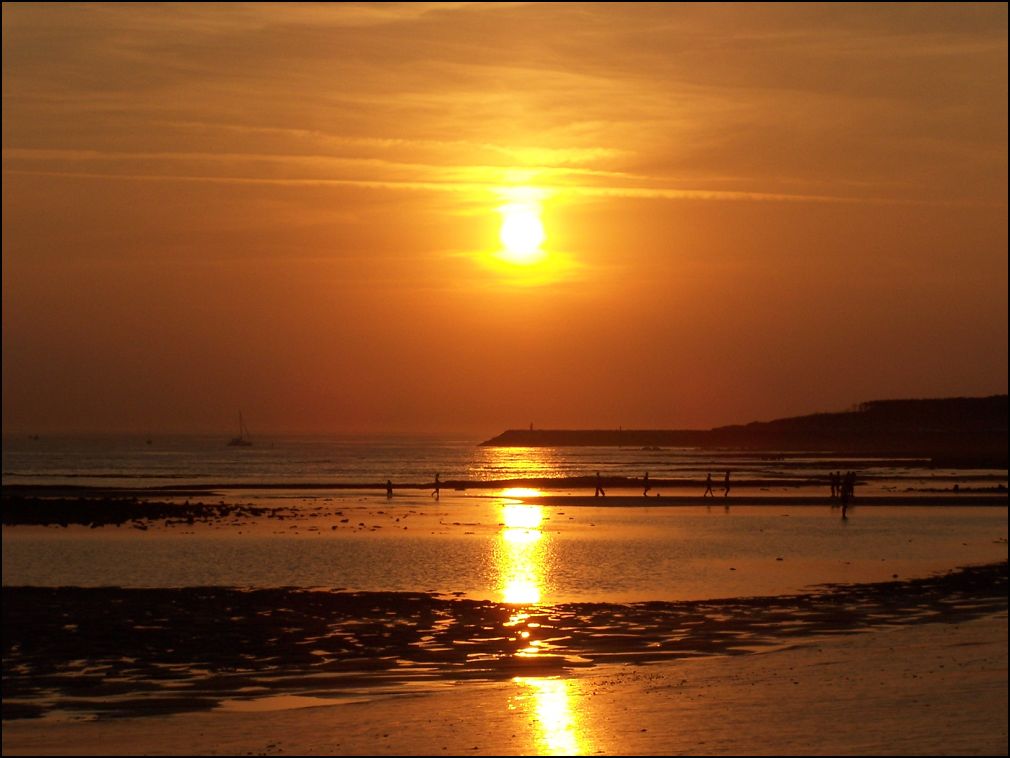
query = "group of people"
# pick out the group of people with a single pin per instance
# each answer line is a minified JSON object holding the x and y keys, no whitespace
{"x":708,"y":486}
{"x":436,"y":493}
{"x":843,"y":486}
{"x":646,"y":487}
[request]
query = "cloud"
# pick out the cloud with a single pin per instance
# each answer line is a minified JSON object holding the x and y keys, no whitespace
{"x":651,"y":101}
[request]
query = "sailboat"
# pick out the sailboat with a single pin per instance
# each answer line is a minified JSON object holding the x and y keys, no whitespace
{"x":243,"y":435}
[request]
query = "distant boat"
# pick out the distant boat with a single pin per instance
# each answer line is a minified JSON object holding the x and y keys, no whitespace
{"x":243,"y":435}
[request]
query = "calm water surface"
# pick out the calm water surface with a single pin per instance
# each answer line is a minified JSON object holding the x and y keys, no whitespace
{"x":131,"y":461}
{"x":490,"y":547}
{"x":495,"y":548}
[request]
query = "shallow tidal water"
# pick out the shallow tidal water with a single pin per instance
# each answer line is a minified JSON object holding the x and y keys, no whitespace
{"x":496,"y":548}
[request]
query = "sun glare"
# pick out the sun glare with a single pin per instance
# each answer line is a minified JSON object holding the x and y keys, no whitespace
{"x":522,"y":232}
{"x":560,"y":732}
{"x":526,"y":254}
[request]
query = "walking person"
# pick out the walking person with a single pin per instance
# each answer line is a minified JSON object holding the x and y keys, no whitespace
{"x":438,"y":486}
{"x":645,"y":485}
{"x":599,"y":487}
{"x":850,"y":484}
{"x":846,"y":490}
{"x":726,"y":485}
{"x":708,"y":486}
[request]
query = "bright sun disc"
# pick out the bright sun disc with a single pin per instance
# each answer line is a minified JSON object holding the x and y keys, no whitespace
{"x":521,"y":233}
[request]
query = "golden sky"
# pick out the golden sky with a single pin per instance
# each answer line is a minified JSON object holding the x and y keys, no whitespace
{"x":294,"y":210}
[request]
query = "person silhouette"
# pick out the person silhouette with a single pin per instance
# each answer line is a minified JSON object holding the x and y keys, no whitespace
{"x":438,"y":486}
{"x":726,"y":485}
{"x":599,"y":487}
{"x":645,"y":485}
{"x":846,"y":490}
{"x":389,"y":488}
{"x":708,"y":486}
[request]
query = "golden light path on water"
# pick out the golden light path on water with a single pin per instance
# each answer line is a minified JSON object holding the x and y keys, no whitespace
{"x":521,"y":559}
{"x":513,"y":462}
{"x":559,"y":730}
{"x":522,"y":566}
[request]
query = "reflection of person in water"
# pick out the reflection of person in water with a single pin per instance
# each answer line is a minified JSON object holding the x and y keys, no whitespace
{"x":438,"y":486}
{"x":599,"y":487}
{"x":645,"y":485}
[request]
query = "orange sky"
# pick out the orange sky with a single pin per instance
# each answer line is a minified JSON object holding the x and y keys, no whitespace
{"x":750,"y":212}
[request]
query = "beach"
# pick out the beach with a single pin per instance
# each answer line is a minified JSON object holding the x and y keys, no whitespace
{"x":912,"y":665}
{"x":929,"y":688}
{"x":291,"y":616}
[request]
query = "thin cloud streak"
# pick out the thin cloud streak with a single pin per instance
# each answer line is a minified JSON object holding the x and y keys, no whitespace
{"x":492,"y":186}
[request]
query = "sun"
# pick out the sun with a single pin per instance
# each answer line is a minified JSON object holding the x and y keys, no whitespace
{"x":522,"y":233}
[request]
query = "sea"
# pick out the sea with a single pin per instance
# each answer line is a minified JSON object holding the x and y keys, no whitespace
{"x":135,"y":461}
{"x":336,"y":528}
{"x":293,"y":578}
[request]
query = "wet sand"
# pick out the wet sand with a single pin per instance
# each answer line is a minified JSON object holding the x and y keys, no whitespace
{"x":108,"y":511}
{"x":911,"y":666}
{"x":928,"y":688}
{"x":97,"y":510}
{"x":127,"y":652}
{"x":664,"y":501}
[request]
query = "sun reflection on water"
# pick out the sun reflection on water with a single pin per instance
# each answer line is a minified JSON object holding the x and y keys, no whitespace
{"x":521,"y":555}
{"x":521,"y":492}
{"x":522,"y":516}
{"x":522,"y":565}
{"x":558,"y":729}
{"x":502,"y":463}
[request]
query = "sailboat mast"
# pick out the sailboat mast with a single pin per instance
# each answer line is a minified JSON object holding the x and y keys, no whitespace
{"x":243,"y":434}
